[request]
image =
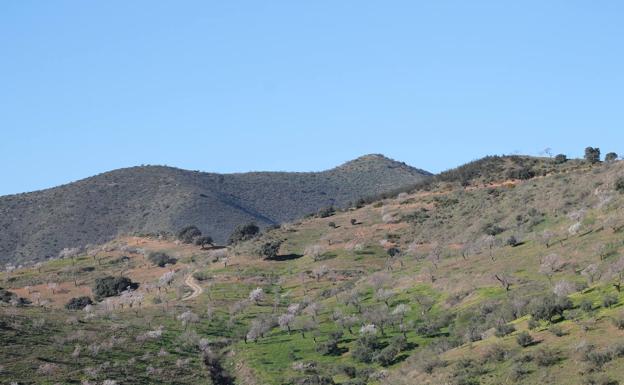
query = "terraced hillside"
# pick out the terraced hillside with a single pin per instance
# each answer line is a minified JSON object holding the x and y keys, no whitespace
{"x":153,"y":200}
{"x":504,"y":272}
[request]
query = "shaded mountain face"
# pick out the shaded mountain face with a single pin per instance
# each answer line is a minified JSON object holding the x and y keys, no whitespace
{"x":153,"y":199}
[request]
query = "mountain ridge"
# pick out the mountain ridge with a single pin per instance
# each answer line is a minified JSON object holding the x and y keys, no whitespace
{"x":154,"y":199}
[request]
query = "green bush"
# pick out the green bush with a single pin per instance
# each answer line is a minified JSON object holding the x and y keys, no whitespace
{"x":524,"y":339}
{"x":78,"y":303}
{"x":592,"y":155}
{"x":611,"y":157}
{"x":609,"y":300}
{"x":587,"y":305}
{"x":188,"y":234}
{"x":366,"y":348}
{"x":546,"y":357}
{"x":203,"y":241}
{"x":561,"y":158}
{"x":504,"y":329}
{"x":549,"y":306}
{"x":556,"y":330}
{"x":244,"y":232}
{"x":160,"y":258}
{"x":111,"y":286}
{"x":270,"y":249}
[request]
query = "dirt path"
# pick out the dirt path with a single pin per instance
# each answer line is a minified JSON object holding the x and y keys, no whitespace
{"x":197,"y":290}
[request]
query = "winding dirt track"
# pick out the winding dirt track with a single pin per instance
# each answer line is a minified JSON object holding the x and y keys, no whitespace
{"x":192,"y":283}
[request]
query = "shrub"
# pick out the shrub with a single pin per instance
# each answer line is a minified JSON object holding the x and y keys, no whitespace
{"x":387,"y":355}
{"x":111,"y":286}
{"x":78,"y":303}
{"x":587,"y":305}
{"x":557,"y":330}
{"x":269,"y":249}
{"x":599,"y":379}
{"x":330,"y":348}
{"x":597,"y":358}
{"x":524,"y":339}
{"x":561,"y":158}
{"x":609,"y":300}
{"x":547,"y":307}
{"x":504,"y":329}
{"x":366,"y":347}
{"x":611,"y":157}
{"x":244,"y":232}
{"x":188,"y":234}
{"x":492,"y":229}
{"x":160,"y":258}
{"x":512,"y":241}
{"x":201,"y":276}
{"x":533,"y":324}
{"x":592,"y":155}
{"x":522,"y":173}
{"x":203,"y":241}
{"x":619,"y":185}
{"x":326,"y":212}
{"x":518,"y":371}
{"x":496,"y":353}
{"x":546,"y":357}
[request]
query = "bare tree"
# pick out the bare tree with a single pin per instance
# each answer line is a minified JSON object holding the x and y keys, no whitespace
{"x":285,"y":321}
{"x":320,"y":272}
{"x":591,"y":272}
{"x":505,"y":280}
{"x":617,"y":272}
{"x":489,"y":242}
{"x":547,"y":238}
{"x":187,"y":318}
{"x":425,"y":303}
{"x":549,"y":265}
{"x":384,"y":295}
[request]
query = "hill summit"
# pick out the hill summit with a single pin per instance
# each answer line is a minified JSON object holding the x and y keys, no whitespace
{"x":158,"y":199}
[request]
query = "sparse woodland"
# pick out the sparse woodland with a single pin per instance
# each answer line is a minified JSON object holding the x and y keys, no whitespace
{"x":507,"y":270}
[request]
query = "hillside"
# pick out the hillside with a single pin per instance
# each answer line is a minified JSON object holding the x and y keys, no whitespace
{"x":153,"y":200}
{"x":479,"y":280}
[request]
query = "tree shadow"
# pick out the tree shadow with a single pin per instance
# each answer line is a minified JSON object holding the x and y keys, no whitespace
{"x":285,"y":257}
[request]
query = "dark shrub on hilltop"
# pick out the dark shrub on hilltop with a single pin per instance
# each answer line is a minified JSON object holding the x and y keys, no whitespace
{"x":78,"y":303}
{"x":611,"y":157}
{"x":592,"y":155}
{"x":111,"y":286}
{"x":188,"y":234}
{"x":160,"y":258}
{"x":244,"y":232}
{"x":561,"y":158}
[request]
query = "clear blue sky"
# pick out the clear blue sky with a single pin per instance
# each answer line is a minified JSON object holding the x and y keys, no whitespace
{"x":230,"y":86}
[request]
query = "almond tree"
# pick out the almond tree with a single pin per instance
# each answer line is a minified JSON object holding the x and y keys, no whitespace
{"x":187,"y":318}
{"x":617,"y":272}
{"x":591,"y":272}
{"x":285,"y":320}
{"x":549,"y":265}
{"x":166,"y":279}
{"x":256,"y":295}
